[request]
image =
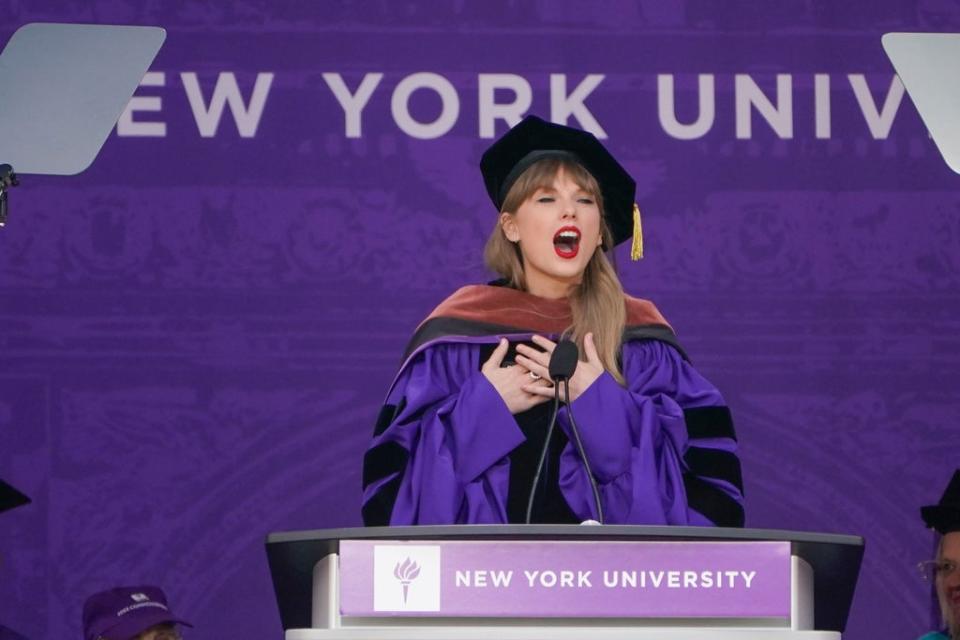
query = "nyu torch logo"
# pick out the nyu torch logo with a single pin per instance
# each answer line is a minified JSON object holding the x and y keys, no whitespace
{"x":406,"y":577}
{"x":406,"y":572}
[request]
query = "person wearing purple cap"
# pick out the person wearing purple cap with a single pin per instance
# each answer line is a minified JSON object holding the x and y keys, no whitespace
{"x":130,"y":613}
{"x":467,"y":436}
{"x":944,"y":572}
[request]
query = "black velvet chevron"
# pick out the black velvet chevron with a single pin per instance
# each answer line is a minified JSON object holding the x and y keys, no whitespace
{"x":707,"y":462}
{"x":714,"y":463}
{"x":709,"y":422}
{"x":712,"y":502}
{"x":380,"y":462}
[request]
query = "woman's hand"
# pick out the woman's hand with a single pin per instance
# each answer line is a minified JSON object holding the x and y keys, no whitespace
{"x":514,"y":383}
{"x":538,"y":362}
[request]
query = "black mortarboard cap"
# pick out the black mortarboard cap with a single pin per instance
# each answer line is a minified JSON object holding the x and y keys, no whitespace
{"x":945,"y":515}
{"x":534,"y":139}
{"x":10,"y":497}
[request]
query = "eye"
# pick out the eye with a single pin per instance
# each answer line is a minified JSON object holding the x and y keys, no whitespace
{"x":585,"y":200}
{"x":546,"y":199}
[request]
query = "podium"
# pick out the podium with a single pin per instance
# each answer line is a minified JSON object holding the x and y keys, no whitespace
{"x":518,"y":582}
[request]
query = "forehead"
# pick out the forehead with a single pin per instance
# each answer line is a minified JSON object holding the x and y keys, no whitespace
{"x":563,"y":180}
{"x":950,"y":547}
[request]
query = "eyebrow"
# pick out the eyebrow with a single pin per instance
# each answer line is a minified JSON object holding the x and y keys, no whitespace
{"x":553,"y":189}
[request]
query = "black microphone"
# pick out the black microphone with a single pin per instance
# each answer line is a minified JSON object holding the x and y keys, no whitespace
{"x":563,"y":363}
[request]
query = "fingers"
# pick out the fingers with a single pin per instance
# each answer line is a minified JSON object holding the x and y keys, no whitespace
{"x":545,"y":344}
{"x":535,"y":400}
{"x":534,"y":359}
{"x":544,"y":391}
{"x":534,"y":366}
{"x":590,"y":349}
{"x":496,"y":358}
{"x":542,"y":357}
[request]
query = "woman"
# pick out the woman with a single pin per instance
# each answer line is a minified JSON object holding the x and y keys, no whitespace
{"x":466,"y":418}
{"x":130,"y":613}
{"x":944,"y":572}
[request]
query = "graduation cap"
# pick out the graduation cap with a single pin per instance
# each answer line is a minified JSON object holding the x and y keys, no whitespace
{"x":535,"y":139}
{"x":945,"y":515}
{"x":10,"y":497}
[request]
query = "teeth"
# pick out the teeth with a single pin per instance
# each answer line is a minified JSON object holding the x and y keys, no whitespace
{"x":568,"y":235}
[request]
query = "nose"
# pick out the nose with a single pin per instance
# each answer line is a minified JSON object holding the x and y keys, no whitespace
{"x":569,"y":209}
{"x":950,"y":579}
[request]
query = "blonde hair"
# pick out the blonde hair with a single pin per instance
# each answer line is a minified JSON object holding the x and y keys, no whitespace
{"x":596,"y":304}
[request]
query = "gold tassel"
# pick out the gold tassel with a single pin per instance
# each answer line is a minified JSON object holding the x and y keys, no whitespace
{"x":636,"y":248}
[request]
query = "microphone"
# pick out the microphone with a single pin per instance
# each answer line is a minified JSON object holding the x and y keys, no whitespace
{"x":563,"y":364}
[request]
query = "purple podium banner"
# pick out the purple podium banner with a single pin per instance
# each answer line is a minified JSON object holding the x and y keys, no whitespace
{"x":565,"y":579}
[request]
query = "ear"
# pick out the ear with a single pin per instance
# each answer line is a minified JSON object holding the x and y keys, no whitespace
{"x":509,"y":225}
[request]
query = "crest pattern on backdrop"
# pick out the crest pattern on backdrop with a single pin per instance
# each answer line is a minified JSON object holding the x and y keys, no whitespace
{"x":196,"y":333}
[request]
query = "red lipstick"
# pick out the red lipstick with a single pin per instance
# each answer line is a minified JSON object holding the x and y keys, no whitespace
{"x":566,"y":242}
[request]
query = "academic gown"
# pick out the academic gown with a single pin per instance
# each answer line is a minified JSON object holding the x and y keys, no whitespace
{"x":662,"y":448}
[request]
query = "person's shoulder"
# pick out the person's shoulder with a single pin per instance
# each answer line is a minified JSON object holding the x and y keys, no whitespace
{"x":469,"y":296}
{"x":643,"y":312}
{"x":473,"y":308}
{"x":468,"y":315}
{"x":647,"y":329}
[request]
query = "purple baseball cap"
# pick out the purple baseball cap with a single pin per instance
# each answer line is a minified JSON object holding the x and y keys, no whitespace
{"x":124,"y":612}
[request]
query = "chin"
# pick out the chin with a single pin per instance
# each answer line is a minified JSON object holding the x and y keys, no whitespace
{"x":570,"y":277}
{"x":569,"y":268}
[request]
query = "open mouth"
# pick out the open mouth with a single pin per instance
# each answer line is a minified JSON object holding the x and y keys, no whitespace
{"x":951,"y":599}
{"x":566,"y":242}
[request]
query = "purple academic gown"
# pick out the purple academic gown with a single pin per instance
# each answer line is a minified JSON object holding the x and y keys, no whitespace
{"x":662,"y":449}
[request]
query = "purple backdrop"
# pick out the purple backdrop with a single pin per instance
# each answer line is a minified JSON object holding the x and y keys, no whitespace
{"x":196,"y":334}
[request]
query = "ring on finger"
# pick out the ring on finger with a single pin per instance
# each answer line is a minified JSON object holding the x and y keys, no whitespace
{"x":535,"y":375}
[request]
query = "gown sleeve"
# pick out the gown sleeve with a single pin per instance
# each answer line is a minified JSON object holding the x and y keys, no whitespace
{"x":662,"y":449}
{"x":440,"y":447}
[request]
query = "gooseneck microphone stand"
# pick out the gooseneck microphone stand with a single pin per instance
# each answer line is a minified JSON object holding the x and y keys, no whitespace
{"x":544,"y":450}
{"x":7,"y":179}
{"x":583,"y":454}
{"x":562,"y":365}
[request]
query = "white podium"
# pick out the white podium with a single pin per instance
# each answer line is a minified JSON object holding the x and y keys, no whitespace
{"x":562,"y":581}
